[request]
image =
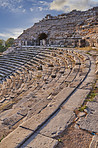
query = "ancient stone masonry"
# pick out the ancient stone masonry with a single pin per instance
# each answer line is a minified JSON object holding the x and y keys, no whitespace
{"x":39,"y":90}
{"x":77,"y":28}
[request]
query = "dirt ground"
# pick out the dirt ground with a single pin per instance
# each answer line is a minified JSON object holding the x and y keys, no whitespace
{"x":74,"y":138}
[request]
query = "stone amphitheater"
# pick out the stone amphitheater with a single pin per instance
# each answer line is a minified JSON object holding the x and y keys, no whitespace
{"x":77,"y":28}
{"x":40,"y":90}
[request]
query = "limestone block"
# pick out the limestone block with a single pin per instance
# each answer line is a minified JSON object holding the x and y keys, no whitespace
{"x":40,"y":141}
{"x":14,"y":138}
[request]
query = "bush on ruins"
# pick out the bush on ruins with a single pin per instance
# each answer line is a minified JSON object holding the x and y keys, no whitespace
{"x":2,"y":48}
{"x":9,"y":42}
{"x":4,"y":45}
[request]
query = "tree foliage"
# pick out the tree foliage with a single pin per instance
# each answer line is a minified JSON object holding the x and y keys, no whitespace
{"x":1,"y":41}
{"x":9,"y":42}
{"x":2,"y":48}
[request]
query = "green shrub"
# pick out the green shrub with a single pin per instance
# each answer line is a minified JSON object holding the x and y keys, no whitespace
{"x":81,"y":109}
{"x":2,"y":48}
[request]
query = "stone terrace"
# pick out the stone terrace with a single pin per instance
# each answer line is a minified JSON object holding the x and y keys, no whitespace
{"x":39,"y":90}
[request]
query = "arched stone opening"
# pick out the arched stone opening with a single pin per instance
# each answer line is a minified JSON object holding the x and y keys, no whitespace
{"x":82,"y":43}
{"x":42,"y":39}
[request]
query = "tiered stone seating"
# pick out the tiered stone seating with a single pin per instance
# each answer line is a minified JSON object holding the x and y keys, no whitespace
{"x":32,"y":77}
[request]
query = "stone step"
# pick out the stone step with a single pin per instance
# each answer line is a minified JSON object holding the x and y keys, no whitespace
{"x":59,"y":72}
{"x":58,"y":123}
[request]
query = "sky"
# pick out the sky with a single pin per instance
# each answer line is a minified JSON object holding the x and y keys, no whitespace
{"x":18,"y":15}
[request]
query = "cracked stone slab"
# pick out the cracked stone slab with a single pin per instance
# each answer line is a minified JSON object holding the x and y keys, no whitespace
{"x":87,"y":84}
{"x":40,"y":141}
{"x":90,"y":122}
{"x":14,"y":138}
{"x":58,"y":123}
{"x":76,"y":100}
{"x":93,"y":107}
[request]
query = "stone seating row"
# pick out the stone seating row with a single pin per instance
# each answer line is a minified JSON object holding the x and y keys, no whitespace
{"x":34,"y":88}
